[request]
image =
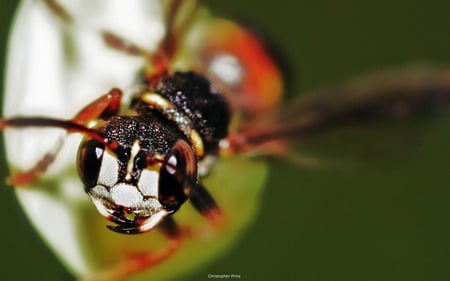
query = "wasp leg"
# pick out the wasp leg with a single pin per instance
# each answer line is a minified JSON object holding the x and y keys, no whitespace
{"x":109,"y":38}
{"x":169,"y":43}
{"x":204,"y":203}
{"x":168,"y":46}
{"x":133,"y":263}
{"x":25,"y":177}
{"x":116,"y":42}
{"x":105,"y":106}
{"x":137,"y":262}
{"x":58,"y":10}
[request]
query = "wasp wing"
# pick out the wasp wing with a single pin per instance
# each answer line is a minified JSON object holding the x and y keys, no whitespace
{"x":386,"y":95}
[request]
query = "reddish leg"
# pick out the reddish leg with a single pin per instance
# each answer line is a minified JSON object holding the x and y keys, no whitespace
{"x":278,"y":148}
{"x":25,"y":177}
{"x":169,"y":44}
{"x":136,"y":262}
{"x":104,"y":107}
{"x":121,"y":44}
{"x":58,"y":10}
{"x":160,"y":59}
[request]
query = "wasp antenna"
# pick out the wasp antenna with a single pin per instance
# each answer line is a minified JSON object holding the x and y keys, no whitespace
{"x":103,"y":107}
{"x":68,"y":125}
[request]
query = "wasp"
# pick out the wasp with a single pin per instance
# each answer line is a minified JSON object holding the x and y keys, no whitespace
{"x":147,"y":152}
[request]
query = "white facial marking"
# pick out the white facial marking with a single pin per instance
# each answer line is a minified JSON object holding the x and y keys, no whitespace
{"x":148,"y":183}
{"x":100,"y":192}
{"x":109,"y":170}
{"x":153,"y":221}
{"x":134,"y":151}
{"x":126,"y":195}
{"x":173,"y":163}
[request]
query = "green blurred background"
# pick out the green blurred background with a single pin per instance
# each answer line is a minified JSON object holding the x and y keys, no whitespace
{"x":381,"y":215}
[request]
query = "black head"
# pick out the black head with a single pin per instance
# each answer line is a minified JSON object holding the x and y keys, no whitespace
{"x":143,"y":172}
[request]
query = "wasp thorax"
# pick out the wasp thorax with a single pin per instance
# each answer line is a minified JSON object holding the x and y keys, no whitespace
{"x":136,"y":183}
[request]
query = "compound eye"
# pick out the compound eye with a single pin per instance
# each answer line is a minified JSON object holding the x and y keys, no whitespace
{"x":177,"y":175}
{"x":90,"y":156}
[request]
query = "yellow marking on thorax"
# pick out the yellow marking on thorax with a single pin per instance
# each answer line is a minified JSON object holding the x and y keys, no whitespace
{"x":157,"y":101}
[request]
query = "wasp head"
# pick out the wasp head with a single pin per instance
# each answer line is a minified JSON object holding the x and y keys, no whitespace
{"x":142,"y":173}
